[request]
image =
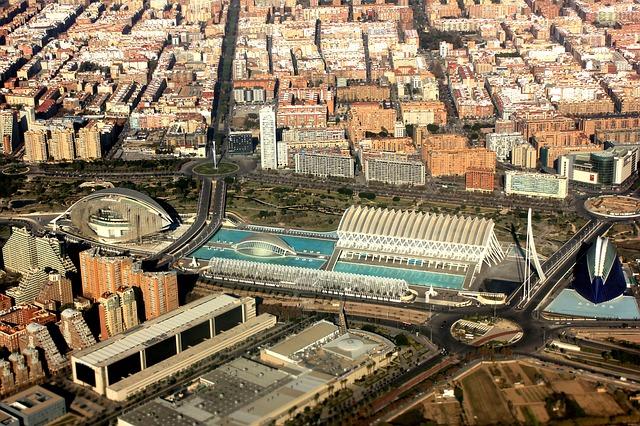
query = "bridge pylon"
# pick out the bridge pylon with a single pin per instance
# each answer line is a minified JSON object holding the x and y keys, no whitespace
{"x":531,"y":256}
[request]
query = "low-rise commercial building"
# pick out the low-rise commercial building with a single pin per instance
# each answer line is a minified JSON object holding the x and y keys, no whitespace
{"x":297,"y":373}
{"x":34,"y":406}
{"x":549,"y":154}
{"x":611,"y":167}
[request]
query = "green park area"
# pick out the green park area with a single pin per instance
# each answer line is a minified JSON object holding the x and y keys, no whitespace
{"x":42,"y":194}
{"x":321,"y":210}
{"x":207,"y":169}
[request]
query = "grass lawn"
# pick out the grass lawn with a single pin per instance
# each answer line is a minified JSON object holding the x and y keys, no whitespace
{"x":207,"y":169}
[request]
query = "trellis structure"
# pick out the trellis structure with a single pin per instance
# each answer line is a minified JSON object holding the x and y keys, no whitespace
{"x":313,"y":280}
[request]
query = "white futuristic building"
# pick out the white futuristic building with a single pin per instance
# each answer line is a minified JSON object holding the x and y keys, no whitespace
{"x":117,"y":215}
{"x":417,"y":234}
{"x":264,"y":245}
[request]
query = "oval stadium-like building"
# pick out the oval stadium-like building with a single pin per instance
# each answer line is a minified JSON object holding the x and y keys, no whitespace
{"x":599,"y":276}
{"x":119,"y":215}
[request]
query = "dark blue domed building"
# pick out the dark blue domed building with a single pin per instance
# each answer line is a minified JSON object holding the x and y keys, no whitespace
{"x":599,"y":277}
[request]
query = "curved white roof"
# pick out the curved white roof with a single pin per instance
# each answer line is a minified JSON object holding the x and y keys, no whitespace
{"x":268,"y":239}
{"x":128,"y":194}
{"x":414,"y":225}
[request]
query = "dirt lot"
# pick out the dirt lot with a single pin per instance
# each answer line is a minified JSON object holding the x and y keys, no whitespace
{"x":523,"y":392}
{"x":616,"y":336}
{"x":483,"y":401}
{"x":443,"y":413}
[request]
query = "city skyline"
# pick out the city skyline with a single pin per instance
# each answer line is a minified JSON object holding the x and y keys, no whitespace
{"x":319,"y":212}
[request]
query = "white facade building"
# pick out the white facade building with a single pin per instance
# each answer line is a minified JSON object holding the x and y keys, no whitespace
{"x":610,"y":167}
{"x":319,"y":164}
{"x":395,"y":171}
{"x":503,"y":143}
{"x":535,"y":184}
{"x":268,"y":143}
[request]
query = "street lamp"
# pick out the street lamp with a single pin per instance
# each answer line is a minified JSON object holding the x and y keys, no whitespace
{"x":430,"y":325}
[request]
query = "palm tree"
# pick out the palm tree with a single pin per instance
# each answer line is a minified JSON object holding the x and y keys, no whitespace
{"x":291,"y":410}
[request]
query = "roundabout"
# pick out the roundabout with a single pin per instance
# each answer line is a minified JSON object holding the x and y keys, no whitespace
{"x":15,"y":170}
{"x":613,"y":206}
{"x":223,"y":169}
{"x":486,"y":331}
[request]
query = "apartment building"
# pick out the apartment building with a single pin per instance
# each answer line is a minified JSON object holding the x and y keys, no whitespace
{"x":324,"y":164}
{"x":524,"y":155}
{"x":75,"y":330}
{"x":503,"y":144}
{"x":457,"y":162}
{"x":480,"y":179}
{"x":117,"y":312}
{"x":35,"y":146}
{"x":422,"y":113}
{"x":24,"y":252}
{"x":394,"y":170}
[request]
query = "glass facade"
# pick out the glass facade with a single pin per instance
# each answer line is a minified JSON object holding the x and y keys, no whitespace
{"x":604,"y":164}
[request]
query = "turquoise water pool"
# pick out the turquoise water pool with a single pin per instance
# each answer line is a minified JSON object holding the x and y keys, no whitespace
{"x":207,"y":253}
{"x":411,"y":276}
{"x":299,"y":244}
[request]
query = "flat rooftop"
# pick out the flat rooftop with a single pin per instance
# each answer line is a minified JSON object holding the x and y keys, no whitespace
{"x":32,"y":400}
{"x":155,"y":330}
{"x":246,"y":371}
{"x":226,"y":389}
{"x":309,"y":336}
{"x":351,"y":346}
{"x":192,"y":352}
{"x":244,"y":391}
{"x":7,"y":419}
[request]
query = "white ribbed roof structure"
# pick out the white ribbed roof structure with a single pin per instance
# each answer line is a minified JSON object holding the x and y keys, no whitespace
{"x":405,"y":232}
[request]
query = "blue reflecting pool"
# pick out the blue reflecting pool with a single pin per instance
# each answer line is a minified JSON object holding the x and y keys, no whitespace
{"x":411,"y":276}
{"x":210,"y":252}
{"x":301,"y":245}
